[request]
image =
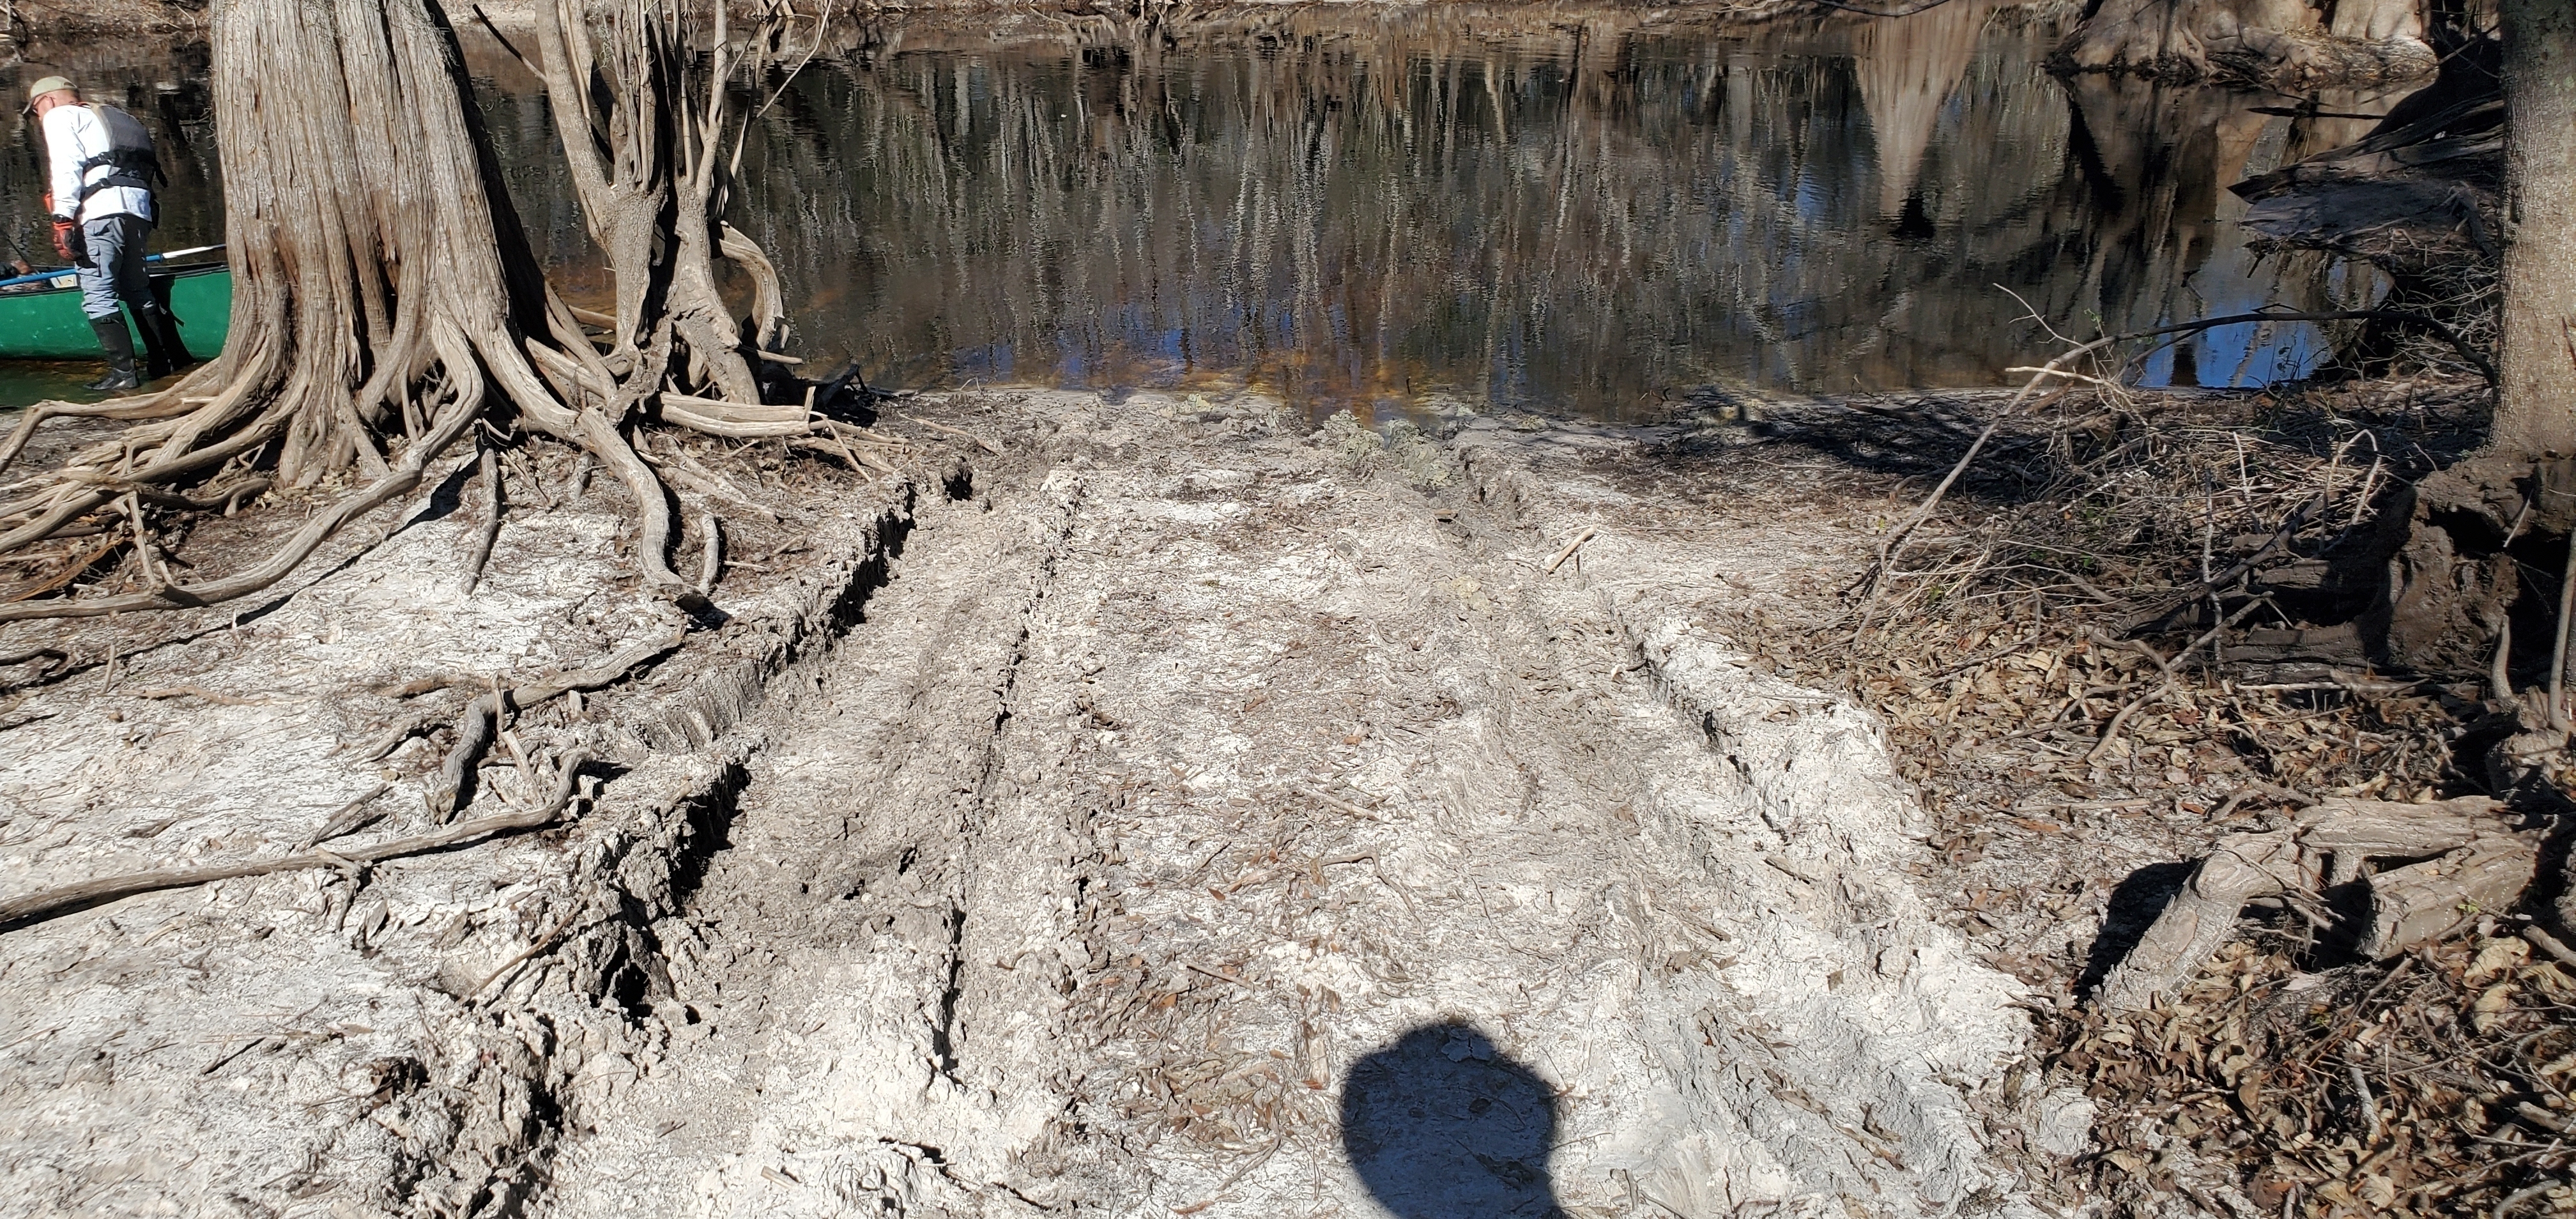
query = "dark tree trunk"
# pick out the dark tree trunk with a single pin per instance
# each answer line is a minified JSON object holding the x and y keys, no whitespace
{"x":2536,"y":412}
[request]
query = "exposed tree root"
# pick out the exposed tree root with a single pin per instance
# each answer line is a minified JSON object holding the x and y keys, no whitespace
{"x":482,"y":718}
{"x":451,"y":425}
{"x":488,"y":529}
{"x":53,"y":903}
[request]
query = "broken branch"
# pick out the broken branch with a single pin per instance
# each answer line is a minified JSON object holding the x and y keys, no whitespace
{"x":2329,"y":841}
{"x":1561,"y":556}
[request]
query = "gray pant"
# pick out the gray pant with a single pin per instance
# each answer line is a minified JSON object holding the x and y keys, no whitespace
{"x":116,"y":274}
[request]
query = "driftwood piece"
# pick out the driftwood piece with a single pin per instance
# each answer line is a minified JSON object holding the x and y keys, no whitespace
{"x":350,"y":818}
{"x":759,"y":421}
{"x":728,"y":428}
{"x":2415,"y":903}
{"x":2202,"y":916}
{"x":2327,"y":844}
{"x":699,"y":412}
{"x":1558,"y":559}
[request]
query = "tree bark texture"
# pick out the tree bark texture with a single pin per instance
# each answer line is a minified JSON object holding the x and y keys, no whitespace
{"x":2329,"y":846}
{"x":360,"y":216}
{"x":2536,"y":412}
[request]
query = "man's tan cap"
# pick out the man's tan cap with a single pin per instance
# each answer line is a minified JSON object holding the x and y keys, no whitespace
{"x":50,"y":84}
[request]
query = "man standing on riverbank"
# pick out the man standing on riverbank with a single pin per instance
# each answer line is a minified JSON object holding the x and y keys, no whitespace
{"x":104,"y":172}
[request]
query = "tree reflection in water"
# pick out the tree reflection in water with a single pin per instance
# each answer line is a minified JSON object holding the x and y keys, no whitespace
{"x":1542,"y":209}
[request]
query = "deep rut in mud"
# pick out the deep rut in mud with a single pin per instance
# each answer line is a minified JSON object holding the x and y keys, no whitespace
{"x":1192,"y":826}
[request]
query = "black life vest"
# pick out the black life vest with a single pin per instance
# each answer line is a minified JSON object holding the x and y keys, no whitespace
{"x":129,"y":149}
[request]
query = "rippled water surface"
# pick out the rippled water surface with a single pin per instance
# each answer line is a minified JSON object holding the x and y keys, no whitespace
{"x":1523,"y":210}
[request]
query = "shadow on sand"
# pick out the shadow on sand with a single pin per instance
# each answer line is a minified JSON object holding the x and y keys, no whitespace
{"x":1441,"y":1125}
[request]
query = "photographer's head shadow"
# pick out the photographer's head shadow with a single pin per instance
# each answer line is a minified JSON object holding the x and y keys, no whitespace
{"x":1441,"y":1125}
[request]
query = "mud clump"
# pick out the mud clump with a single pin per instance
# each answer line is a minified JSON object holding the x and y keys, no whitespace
{"x":1399,"y":448}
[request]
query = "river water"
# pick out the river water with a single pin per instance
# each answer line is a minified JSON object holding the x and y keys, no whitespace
{"x":1515,"y":209}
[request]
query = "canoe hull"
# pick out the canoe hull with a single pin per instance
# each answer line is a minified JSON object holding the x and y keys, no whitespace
{"x":47,"y":324}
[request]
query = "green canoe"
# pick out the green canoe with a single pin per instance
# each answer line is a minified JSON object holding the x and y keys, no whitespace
{"x":43,"y":321}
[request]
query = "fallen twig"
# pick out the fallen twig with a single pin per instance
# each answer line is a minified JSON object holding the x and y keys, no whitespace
{"x":2549,"y":944}
{"x":350,"y":817}
{"x":1337,"y":802}
{"x":2372,"y":1129}
{"x":401,"y":730}
{"x":2514,"y":1200}
{"x":2250,"y":790}
{"x":1561,"y":556}
{"x":986,"y":445}
{"x":711,"y":562}
{"x":228,"y":700}
{"x":419,"y":686}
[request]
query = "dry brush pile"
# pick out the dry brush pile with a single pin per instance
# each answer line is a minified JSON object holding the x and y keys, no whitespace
{"x":2127,"y":634}
{"x":2433,"y":1084}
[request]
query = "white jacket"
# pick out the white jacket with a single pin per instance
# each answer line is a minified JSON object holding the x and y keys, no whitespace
{"x":74,"y":134}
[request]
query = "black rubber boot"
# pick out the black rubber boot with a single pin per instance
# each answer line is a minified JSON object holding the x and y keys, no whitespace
{"x":166,"y":352}
{"x":156,"y":356}
{"x":156,"y":344}
{"x":114,"y":339}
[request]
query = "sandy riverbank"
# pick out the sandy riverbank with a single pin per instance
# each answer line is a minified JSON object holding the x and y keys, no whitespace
{"x":1144,"y":802}
{"x":1170,"y":809}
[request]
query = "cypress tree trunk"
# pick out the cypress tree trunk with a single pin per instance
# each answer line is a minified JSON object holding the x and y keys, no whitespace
{"x":363,"y":222}
{"x":385,"y":297}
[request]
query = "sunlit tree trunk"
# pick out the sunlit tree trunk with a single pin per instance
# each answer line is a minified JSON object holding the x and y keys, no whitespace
{"x":362,"y":225}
